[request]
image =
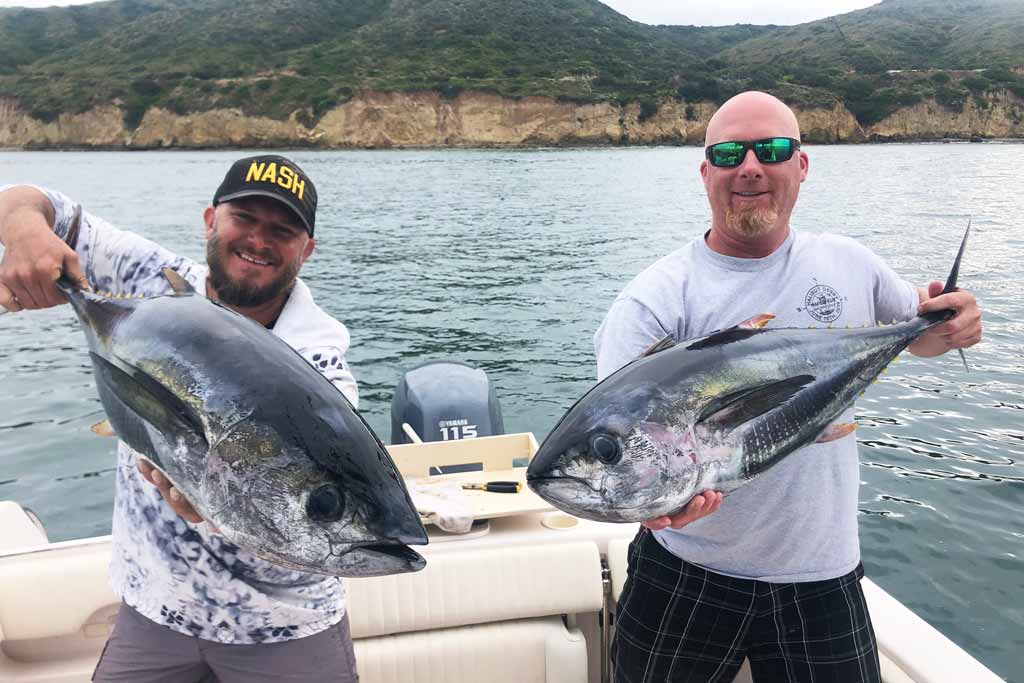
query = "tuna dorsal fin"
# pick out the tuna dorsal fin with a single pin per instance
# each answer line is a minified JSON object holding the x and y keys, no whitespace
{"x":663,"y":344}
{"x":746,"y":329}
{"x":732,"y":410}
{"x":179,"y":285}
{"x":733,"y":334}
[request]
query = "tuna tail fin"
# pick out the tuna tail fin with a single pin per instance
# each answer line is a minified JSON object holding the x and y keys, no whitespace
{"x":942,"y":316}
{"x":955,"y":271}
{"x":951,"y":280}
{"x":65,"y":283}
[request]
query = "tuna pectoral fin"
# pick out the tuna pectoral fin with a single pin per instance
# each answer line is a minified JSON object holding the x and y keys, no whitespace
{"x":731,"y":410}
{"x":103,"y":429}
{"x":149,"y":401}
{"x":836,"y":431}
{"x":178,"y":284}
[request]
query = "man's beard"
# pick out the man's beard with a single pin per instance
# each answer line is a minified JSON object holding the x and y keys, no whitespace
{"x":239,"y":294}
{"x":751,"y":221}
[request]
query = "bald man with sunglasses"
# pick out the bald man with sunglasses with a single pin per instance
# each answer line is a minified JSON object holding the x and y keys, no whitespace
{"x":773,"y":573}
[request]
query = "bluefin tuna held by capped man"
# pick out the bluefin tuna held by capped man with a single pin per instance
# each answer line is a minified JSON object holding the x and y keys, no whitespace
{"x":710,"y":414}
{"x":263,"y":446}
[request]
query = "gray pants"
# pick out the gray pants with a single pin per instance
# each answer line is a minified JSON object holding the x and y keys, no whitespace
{"x":142,"y":651}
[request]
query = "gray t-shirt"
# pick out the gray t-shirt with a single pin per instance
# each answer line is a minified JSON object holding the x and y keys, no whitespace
{"x":798,"y":520}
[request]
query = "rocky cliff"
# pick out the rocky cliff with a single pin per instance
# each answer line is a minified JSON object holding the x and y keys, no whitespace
{"x":426,"y":119}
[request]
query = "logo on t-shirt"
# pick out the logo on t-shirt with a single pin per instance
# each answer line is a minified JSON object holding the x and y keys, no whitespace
{"x":823,"y":303}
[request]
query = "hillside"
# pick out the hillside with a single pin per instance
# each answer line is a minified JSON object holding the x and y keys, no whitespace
{"x":936,"y":46}
{"x":300,"y":59}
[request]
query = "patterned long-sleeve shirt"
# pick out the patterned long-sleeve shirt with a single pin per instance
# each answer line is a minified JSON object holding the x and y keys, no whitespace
{"x":182,"y":575}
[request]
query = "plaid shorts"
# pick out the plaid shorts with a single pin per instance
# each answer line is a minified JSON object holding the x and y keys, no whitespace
{"x":678,"y":622}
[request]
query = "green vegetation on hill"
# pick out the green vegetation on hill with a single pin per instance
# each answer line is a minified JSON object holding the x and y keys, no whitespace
{"x":273,"y":57}
{"x":947,"y":49}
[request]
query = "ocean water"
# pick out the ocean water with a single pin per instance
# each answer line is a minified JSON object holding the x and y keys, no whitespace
{"x":508,"y":260}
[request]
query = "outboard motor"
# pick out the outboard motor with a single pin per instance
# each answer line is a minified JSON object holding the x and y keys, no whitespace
{"x":443,"y":401}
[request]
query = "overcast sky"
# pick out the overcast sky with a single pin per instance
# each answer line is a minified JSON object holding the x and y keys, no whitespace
{"x":717,"y":13}
{"x":697,"y":12}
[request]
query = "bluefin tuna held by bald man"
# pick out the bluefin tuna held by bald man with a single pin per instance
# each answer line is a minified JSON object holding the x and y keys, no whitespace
{"x":710,"y":414}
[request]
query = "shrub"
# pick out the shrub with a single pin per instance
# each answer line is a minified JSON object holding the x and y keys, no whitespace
{"x":146,"y":87}
{"x":951,"y":98}
{"x":648,"y":108}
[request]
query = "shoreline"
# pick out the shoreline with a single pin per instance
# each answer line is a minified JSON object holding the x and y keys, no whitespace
{"x":487,"y":147}
{"x":476,"y":120}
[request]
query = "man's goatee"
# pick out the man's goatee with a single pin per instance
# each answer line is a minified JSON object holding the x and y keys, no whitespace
{"x":751,"y":222}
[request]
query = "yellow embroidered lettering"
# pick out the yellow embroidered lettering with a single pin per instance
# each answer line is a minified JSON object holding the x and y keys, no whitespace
{"x":298,"y":186}
{"x":255,"y":171}
{"x":286,"y":178}
{"x":270,"y":175}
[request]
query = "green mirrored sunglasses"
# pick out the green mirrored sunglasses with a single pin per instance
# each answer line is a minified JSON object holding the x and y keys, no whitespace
{"x":768,"y":151}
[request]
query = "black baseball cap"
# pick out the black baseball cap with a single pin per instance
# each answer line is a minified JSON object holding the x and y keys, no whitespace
{"x":271,"y":175}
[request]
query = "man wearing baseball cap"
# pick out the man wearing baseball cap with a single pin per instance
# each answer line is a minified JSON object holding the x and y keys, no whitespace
{"x":194,"y":606}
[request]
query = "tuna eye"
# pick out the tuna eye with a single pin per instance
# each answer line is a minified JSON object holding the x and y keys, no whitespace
{"x":604,"y":448}
{"x":325,"y":504}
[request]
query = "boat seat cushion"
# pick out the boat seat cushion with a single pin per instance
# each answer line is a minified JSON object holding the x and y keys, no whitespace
{"x":464,"y":587}
{"x":526,"y":651}
{"x":18,"y":529}
{"x":457,"y":588}
{"x":54,"y":592}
